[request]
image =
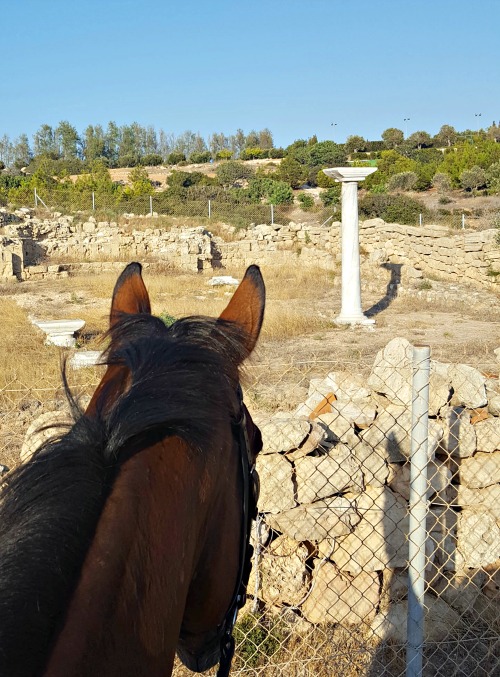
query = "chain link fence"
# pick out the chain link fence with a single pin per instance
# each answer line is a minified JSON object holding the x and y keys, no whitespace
{"x":377,"y":546}
{"x":105,"y":206}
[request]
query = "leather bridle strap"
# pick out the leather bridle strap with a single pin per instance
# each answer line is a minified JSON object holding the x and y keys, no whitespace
{"x":250,"y":489}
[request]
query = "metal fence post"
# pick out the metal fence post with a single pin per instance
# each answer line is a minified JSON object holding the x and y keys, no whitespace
{"x":209,"y":209}
{"x":151,"y":205}
{"x":272,"y":215}
{"x":93,"y":201}
{"x":36,"y":199}
{"x":418,"y":510}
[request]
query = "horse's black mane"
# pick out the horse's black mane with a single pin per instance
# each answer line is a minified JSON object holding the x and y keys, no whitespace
{"x":183,"y":381}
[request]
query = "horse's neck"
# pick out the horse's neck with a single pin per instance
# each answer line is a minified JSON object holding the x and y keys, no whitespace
{"x":126,"y":612}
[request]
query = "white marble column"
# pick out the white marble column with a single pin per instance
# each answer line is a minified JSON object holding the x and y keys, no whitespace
{"x":350,"y":312}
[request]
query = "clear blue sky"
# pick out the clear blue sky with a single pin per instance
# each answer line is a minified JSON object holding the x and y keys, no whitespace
{"x":213,"y":65}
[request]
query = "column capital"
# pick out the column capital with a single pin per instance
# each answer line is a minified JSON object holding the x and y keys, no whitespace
{"x":349,"y":174}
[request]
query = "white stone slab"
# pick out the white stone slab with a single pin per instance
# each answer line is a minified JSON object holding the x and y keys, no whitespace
{"x":60,"y":332}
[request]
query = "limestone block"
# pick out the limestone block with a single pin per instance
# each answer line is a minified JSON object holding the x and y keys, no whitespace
{"x":459,"y":437}
{"x":391,"y":434}
{"x":337,"y":597}
{"x":440,"y":621}
{"x":360,"y":413}
{"x":439,"y":391}
{"x":461,"y":590}
{"x":328,"y":518}
{"x":336,"y":424}
{"x":392,"y":371}
{"x":276,"y":486}
{"x":487,"y":497}
{"x":438,"y":480}
{"x":469,"y":386}
{"x":373,"y":462}
{"x":488,"y":434}
{"x":478,"y":538}
{"x":480,"y":470}
{"x":283,"y":434}
{"x":283,"y":572}
{"x":345,"y":386}
{"x":323,"y":476}
{"x":379,"y":539}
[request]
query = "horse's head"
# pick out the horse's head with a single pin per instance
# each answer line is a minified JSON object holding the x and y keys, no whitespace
{"x":228,"y":479}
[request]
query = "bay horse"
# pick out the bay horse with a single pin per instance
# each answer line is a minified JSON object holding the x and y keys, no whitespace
{"x":126,"y":539}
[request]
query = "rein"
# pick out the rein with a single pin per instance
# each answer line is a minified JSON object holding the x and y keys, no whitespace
{"x":250,"y":498}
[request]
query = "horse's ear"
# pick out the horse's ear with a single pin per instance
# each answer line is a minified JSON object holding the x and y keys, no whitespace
{"x":246,"y":308}
{"x":130,"y":294}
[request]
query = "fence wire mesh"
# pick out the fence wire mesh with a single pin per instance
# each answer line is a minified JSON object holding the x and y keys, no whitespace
{"x":328,"y":594}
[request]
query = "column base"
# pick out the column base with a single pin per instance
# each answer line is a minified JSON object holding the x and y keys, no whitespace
{"x":354,"y":318}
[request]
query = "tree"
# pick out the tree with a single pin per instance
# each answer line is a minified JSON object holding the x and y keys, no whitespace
{"x":94,"y":143}
{"x":151,"y":146}
{"x":419,"y":139}
{"x":494,"y":132}
{"x":44,"y":142}
{"x":218,"y":142}
{"x":441,"y":182}
{"x":67,"y":140}
{"x":326,"y":154}
{"x":6,"y":151}
{"x":403,"y":181}
{"x":139,"y":178}
{"x":237,"y":142}
{"x":265,"y":139}
{"x":128,"y":143}
{"x":252,"y":139}
{"x":112,"y":142}
{"x":233,"y":172}
{"x":472,"y":179}
{"x":493,"y":178}
{"x":354,"y":144}
{"x":291,"y":171}
{"x":392,"y":138}
{"x":446,"y":136}
{"x":22,"y":152}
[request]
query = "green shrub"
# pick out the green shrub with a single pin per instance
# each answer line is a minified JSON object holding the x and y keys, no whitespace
{"x":331,"y":196}
{"x":402,"y":181}
{"x":276,"y":192}
{"x":128,"y":160}
{"x":175,"y":157}
{"x":306,"y":201}
{"x":258,"y":639}
{"x":276,"y":153}
{"x":233,"y":171}
{"x":200,"y":158}
{"x":253,"y":153}
{"x":324,"y":181}
{"x":224,"y":154}
{"x":152,"y":160}
{"x":166,"y":318}
{"x":392,"y":208}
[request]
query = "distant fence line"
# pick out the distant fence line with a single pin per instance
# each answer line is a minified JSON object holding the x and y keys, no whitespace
{"x":236,"y":212}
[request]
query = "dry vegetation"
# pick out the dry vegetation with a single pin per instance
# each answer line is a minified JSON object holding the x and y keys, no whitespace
{"x":299,"y":340}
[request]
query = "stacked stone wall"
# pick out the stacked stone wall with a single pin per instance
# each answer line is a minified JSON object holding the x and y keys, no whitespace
{"x":470,"y":257}
{"x":335,"y":478}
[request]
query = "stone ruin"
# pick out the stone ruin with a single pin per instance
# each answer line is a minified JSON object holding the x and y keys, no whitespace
{"x":332,"y":535}
{"x":31,"y":247}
